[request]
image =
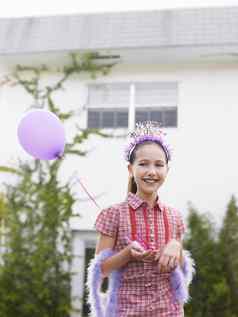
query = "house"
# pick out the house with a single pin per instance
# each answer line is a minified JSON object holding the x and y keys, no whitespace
{"x":176,"y":66}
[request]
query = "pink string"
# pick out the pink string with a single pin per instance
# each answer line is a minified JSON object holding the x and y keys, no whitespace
{"x":89,"y":195}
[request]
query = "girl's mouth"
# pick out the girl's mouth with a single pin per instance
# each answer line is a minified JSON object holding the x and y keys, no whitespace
{"x":150,"y":180}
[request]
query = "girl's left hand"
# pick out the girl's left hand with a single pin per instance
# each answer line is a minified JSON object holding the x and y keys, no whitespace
{"x":170,"y":256}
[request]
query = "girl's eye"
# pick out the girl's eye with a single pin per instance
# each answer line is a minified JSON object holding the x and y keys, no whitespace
{"x":157,"y":165}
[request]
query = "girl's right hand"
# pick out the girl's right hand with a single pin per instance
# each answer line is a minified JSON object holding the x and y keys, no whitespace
{"x":138,"y":253}
{"x":146,"y":256}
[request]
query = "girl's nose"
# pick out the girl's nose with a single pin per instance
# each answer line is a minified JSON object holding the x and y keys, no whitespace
{"x":151,"y":171}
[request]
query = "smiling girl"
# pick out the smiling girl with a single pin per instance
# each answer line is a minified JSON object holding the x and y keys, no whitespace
{"x":140,"y":240}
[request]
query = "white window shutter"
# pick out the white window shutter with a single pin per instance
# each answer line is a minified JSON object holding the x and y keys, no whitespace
{"x":112,"y":95}
{"x":156,"y":94}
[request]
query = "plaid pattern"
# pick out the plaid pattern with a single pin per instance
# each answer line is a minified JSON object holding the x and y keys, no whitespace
{"x":144,"y":290}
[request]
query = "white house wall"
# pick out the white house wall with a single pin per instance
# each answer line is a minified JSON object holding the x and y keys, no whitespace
{"x":203,"y":170}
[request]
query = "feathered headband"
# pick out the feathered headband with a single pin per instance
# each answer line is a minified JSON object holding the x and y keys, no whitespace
{"x":147,"y":131}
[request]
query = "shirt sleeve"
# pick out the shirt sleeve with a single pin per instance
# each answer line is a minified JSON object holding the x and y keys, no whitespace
{"x":107,"y":222}
{"x":180,"y":226}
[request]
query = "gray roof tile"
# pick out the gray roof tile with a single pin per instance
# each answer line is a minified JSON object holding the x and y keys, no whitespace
{"x":148,"y":29}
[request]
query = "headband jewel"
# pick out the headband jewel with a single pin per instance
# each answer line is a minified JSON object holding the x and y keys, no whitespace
{"x":147,"y":131}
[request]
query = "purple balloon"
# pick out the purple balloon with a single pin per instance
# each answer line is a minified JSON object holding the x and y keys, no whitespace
{"x":41,"y":134}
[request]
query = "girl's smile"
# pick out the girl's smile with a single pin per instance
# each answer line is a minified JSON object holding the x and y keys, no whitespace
{"x":150,"y":180}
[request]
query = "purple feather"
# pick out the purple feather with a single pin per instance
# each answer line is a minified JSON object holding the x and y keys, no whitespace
{"x":95,"y":277}
{"x":179,"y":289}
{"x":114,"y":284}
{"x":181,"y":278}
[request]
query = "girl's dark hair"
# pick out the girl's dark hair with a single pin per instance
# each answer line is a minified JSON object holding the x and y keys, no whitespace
{"x":132,"y":188}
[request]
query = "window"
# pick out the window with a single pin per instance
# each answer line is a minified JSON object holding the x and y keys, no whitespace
{"x":107,"y":118}
{"x":94,"y":118}
{"x":166,"y":116}
{"x":108,"y":104}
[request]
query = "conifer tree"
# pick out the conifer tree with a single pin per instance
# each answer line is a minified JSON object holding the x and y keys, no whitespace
{"x":229,"y":250}
{"x":209,"y":290}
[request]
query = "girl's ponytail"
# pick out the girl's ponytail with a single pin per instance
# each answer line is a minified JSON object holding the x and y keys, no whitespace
{"x":132,"y":188}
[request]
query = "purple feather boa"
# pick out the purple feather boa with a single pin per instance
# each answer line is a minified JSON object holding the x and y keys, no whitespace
{"x":99,"y":306}
{"x":180,"y":279}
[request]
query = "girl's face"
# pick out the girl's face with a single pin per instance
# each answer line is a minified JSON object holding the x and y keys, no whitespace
{"x":149,"y":169}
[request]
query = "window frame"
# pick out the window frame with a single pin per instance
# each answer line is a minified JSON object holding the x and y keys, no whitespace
{"x":132,"y":109}
{"x":115,"y":117}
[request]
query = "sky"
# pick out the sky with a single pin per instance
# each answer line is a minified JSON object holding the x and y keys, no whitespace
{"x":13,"y":8}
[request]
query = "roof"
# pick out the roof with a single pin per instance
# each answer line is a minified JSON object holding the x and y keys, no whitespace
{"x":125,"y":30}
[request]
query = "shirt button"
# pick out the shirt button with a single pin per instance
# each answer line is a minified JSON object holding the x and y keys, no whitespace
{"x":148,"y":284}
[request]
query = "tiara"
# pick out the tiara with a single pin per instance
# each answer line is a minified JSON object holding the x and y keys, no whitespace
{"x":147,"y":131}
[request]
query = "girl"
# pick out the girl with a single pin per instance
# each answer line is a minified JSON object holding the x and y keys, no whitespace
{"x":140,"y":241}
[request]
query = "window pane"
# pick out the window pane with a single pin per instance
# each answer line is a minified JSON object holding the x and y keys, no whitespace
{"x":156,"y":94}
{"x":170,"y":118}
{"x":142,"y":116}
{"x":113,"y":118}
{"x":167,"y":117}
{"x":109,"y":95}
{"x":121,"y":119}
{"x":108,"y":119}
{"x":93,"y":119}
{"x":156,"y":116}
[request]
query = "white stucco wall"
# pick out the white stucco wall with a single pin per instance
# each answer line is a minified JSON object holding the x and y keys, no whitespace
{"x":203,"y":170}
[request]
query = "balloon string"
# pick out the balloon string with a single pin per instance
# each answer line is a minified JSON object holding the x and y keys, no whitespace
{"x":90,"y":196}
{"x":59,"y":155}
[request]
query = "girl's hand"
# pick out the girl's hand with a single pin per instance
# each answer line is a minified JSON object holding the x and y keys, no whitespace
{"x":146,"y":256}
{"x":170,"y":256}
{"x":138,"y":253}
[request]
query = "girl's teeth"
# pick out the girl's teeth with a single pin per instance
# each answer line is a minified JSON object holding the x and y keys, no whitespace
{"x":149,"y":181}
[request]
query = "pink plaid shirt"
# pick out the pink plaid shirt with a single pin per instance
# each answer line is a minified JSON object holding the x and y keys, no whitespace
{"x":144,"y":291}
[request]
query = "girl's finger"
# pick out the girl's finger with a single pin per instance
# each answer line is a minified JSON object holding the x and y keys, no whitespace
{"x":164,"y":260}
{"x":137,"y":254}
{"x":162,"y":266}
{"x":163,"y":269}
{"x":171,"y":263}
{"x":157,"y":255}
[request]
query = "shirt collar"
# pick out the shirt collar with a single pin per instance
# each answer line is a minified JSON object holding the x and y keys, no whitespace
{"x":135,"y":201}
